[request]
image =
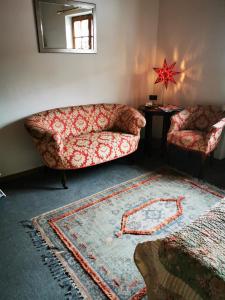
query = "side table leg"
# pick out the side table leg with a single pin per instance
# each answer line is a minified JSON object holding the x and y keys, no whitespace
{"x":63,"y":179}
{"x":165,"y":129}
{"x":148,"y":134}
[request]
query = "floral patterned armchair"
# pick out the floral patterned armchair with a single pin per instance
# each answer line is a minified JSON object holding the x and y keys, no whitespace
{"x":197,"y":129}
{"x":81,"y":136}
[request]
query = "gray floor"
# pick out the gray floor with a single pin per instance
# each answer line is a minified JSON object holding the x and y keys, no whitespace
{"x":22,"y":273}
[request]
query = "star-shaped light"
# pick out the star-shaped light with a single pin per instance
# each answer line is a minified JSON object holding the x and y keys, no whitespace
{"x":166,"y":73}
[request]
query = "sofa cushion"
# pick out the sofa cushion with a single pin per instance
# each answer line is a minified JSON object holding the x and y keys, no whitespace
{"x":90,"y":149}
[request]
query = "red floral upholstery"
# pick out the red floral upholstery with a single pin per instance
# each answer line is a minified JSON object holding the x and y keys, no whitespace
{"x":81,"y":136}
{"x":197,"y":128}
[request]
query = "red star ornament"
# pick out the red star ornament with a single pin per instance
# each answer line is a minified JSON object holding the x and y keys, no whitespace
{"x":166,"y":73}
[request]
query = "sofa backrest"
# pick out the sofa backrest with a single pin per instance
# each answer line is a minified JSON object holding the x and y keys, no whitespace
{"x":76,"y":120}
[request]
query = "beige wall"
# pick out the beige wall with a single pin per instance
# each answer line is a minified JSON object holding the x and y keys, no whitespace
{"x":192,"y":34}
{"x":32,"y":81}
{"x":189,"y":32}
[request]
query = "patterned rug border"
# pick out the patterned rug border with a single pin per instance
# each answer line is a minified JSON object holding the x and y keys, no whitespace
{"x":95,"y":194}
{"x":58,"y":266}
{"x":95,"y":276}
{"x":199,"y":182}
{"x":53,"y":259}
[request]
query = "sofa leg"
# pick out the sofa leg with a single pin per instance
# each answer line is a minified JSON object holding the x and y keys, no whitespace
{"x":63,"y":179}
{"x":202,"y":167}
{"x":211,"y":158}
{"x":131,"y":158}
{"x":168,"y":153}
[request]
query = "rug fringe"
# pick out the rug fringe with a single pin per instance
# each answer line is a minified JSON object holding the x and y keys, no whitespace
{"x":49,"y":259}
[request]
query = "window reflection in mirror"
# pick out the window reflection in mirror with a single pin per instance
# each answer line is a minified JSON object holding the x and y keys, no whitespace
{"x":66,"y":26}
{"x":82,"y":31}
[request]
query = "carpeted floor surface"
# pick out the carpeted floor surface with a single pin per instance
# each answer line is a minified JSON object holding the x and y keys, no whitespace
{"x":22,"y":273}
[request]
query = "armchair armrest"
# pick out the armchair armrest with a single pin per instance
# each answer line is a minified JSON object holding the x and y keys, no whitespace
{"x":214,"y":135}
{"x":219,"y":125}
{"x":129,"y":120}
{"x":179,"y":120}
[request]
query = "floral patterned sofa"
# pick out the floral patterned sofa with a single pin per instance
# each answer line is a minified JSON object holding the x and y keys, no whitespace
{"x":81,"y":136}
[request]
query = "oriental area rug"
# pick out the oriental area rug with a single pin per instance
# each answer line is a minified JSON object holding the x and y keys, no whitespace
{"x":89,"y":244}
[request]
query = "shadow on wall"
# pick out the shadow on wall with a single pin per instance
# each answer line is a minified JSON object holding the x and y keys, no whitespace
{"x":188,"y":62}
{"x":139,"y":57}
{"x":140,"y":85}
{"x":17,"y":152}
{"x":191,"y":67}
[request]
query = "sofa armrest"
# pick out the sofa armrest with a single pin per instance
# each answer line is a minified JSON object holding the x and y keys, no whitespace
{"x":41,"y":134}
{"x":129,"y":120}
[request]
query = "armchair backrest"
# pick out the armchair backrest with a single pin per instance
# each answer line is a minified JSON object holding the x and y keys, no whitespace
{"x":202,"y":117}
{"x":76,"y":120}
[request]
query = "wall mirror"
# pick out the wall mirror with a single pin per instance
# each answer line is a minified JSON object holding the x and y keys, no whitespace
{"x":66,"y":26}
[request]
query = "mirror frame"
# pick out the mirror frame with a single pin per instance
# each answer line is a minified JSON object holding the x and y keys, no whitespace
{"x":40,"y":26}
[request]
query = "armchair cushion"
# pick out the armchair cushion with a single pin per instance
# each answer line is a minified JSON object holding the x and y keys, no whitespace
{"x":189,"y":139}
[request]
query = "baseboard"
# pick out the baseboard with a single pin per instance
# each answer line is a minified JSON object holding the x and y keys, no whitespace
{"x":12,"y":177}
